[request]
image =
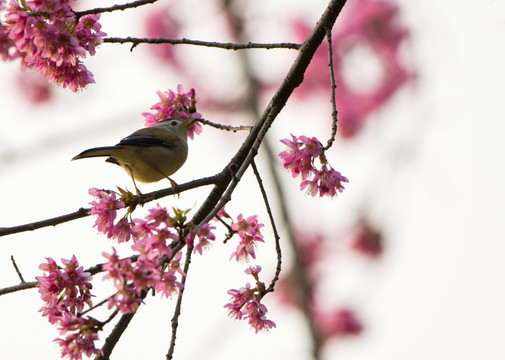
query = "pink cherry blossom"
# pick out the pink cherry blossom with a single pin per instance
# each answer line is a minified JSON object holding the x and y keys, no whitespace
{"x":205,"y":236}
{"x":64,"y":289}
{"x":253,"y":270}
{"x":326,"y":181}
{"x":250,"y":234}
{"x":300,"y":158}
{"x":105,"y":209}
{"x":179,"y":105}
{"x":239,"y":298}
{"x":168,"y":284}
{"x":81,"y":335}
{"x":300,"y":155}
{"x":121,"y":231}
{"x":153,"y":237}
{"x":50,"y":39}
{"x":246,"y":303}
{"x":176,"y":264}
{"x":256,"y":312}
{"x":158,"y":215}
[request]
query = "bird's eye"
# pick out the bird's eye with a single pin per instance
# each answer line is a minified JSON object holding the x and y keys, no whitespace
{"x":173,"y":123}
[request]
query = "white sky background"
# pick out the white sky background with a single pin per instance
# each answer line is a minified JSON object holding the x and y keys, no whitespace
{"x":438,"y":291}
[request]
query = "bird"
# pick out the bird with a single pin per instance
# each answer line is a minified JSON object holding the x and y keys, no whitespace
{"x":149,"y":154}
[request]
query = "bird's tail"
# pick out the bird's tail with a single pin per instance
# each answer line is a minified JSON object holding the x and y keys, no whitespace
{"x":96,"y":152}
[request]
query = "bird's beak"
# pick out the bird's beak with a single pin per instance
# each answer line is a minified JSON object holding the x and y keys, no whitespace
{"x":190,"y":122}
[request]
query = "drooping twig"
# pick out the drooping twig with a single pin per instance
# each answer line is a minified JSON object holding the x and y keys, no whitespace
{"x":334,"y":111}
{"x":213,"y":44}
{"x":274,"y":229}
{"x":177,"y":311}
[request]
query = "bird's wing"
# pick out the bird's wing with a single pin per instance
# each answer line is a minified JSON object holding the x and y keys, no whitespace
{"x":145,"y":137}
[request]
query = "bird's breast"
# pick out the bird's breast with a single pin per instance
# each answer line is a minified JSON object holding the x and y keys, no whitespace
{"x":155,"y":163}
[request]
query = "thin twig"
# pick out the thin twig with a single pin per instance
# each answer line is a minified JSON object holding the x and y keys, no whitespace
{"x":112,"y":316}
{"x":334,"y":111}
{"x":213,"y":44}
{"x":231,"y":232}
{"x":121,"y":7}
{"x":225,"y":127}
{"x":274,"y":229}
{"x":17,"y":270}
{"x":96,"y":305}
{"x":177,"y":311}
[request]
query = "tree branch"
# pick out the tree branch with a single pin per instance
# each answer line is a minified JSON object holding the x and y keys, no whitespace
{"x":22,"y":286}
{"x":213,"y":44}
{"x":138,"y":200}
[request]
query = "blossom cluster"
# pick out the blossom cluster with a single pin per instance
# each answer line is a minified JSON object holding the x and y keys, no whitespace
{"x":246,"y":303}
{"x":178,"y":104}
{"x":65,"y":291}
{"x":299,"y":158}
{"x":204,"y":234}
{"x":156,"y":267}
{"x":50,"y":39}
{"x":152,"y":239}
{"x":248,"y":230}
{"x":105,"y":207}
